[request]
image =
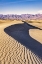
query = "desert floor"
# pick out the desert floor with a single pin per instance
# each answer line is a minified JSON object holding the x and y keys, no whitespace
{"x":13,"y":50}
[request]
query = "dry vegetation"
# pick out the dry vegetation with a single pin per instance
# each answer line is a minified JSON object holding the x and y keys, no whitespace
{"x":11,"y":51}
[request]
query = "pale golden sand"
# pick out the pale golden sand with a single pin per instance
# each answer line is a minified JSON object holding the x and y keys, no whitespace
{"x":36,"y":34}
{"x":12,"y":52}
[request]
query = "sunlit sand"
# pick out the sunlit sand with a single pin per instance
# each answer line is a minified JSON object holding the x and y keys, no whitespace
{"x":12,"y":51}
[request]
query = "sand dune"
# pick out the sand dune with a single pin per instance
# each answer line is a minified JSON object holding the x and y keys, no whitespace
{"x":36,"y":34}
{"x":12,"y":51}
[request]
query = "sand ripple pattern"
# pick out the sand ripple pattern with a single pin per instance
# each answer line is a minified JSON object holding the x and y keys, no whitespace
{"x":12,"y":52}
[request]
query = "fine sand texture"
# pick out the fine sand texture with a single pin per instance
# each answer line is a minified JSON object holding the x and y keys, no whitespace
{"x":17,"y":45}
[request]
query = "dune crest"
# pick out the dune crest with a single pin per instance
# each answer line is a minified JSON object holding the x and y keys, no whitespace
{"x":12,"y":51}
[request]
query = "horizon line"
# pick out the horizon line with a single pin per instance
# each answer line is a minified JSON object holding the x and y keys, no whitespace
{"x":20,"y":14}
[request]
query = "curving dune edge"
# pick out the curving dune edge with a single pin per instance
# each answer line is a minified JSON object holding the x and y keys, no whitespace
{"x":12,"y":52}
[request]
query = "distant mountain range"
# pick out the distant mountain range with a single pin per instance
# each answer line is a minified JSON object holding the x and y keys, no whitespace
{"x":21,"y":17}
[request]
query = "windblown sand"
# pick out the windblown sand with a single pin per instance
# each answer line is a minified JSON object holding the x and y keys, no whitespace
{"x":12,"y":52}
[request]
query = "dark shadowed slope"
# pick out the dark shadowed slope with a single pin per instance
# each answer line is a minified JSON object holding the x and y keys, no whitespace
{"x":20,"y":32}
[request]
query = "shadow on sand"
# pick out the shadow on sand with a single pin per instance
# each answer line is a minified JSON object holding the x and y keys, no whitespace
{"x":20,"y":32}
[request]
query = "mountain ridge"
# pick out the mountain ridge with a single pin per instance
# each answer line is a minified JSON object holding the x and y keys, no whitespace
{"x":21,"y":17}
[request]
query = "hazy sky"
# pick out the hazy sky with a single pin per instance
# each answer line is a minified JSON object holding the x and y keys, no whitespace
{"x":20,"y":6}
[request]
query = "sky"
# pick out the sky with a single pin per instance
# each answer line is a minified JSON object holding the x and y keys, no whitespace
{"x":20,"y":7}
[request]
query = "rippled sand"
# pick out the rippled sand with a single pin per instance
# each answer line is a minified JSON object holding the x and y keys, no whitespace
{"x":12,"y":52}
